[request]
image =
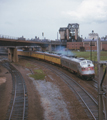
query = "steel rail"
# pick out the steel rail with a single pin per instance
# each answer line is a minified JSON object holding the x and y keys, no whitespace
{"x":13,"y":102}
{"x":24,"y":100}
{"x":81,"y":95}
{"x":70,"y":85}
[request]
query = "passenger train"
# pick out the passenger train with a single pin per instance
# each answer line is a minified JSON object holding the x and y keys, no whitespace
{"x":82,"y":67}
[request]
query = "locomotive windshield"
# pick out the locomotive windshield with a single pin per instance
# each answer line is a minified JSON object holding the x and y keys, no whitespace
{"x":86,"y":62}
{"x":89,"y":62}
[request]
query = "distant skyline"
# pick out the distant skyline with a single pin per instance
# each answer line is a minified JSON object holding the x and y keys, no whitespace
{"x":30,"y":18}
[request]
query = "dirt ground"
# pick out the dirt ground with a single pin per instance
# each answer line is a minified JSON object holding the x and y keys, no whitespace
{"x":5,"y":91}
{"x":48,"y":99}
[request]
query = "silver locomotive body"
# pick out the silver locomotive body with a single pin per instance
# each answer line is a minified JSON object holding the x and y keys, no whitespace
{"x":81,"y":66}
{"x":86,"y":68}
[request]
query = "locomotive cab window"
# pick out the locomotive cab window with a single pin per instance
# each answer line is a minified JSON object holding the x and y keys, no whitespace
{"x":89,"y":62}
{"x":84,"y":62}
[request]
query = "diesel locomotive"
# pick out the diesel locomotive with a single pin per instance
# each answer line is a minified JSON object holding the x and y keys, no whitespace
{"x":82,"y":67}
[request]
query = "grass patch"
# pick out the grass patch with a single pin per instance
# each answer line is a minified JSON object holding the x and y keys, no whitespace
{"x":38,"y":71}
{"x":38,"y":74}
{"x":86,"y":55}
{"x":28,"y":65}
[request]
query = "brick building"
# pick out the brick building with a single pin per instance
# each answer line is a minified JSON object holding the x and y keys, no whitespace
{"x":87,"y":45}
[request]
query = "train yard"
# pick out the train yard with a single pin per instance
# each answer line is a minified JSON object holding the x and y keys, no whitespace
{"x":80,"y":97}
{"x":41,"y":79}
{"x":88,"y":100}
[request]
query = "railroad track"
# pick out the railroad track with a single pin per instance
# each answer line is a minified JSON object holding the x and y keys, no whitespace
{"x":86,"y":99}
{"x":94,"y":84}
{"x":89,"y":102}
{"x":19,"y":102}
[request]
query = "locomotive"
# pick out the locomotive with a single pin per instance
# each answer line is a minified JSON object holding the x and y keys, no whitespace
{"x":82,"y":67}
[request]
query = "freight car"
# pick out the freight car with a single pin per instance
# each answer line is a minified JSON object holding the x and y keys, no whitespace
{"x":80,"y":66}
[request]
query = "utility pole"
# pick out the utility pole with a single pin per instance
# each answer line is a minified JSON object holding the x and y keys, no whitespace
{"x":100,"y":70}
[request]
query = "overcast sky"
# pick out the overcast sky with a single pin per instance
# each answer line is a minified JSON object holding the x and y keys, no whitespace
{"x":32,"y":17}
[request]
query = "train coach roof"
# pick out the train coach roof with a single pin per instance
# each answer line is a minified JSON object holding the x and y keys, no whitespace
{"x":73,"y":58}
{"x":56,"y":55}
{"x":38,"y":52}
{"x":46,"y":53}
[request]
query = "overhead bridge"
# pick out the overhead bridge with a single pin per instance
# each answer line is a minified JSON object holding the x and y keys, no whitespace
{"x":13,"y":43}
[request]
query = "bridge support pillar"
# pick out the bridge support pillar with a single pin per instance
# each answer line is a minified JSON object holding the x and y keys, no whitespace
{"x":12,"y":54}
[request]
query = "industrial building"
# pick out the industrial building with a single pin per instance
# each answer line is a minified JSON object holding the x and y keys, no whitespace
{"x":75,"y":42}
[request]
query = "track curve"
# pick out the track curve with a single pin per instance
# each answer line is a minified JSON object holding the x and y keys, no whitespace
{"x":89,"y":102}
{"x":19,"y":101}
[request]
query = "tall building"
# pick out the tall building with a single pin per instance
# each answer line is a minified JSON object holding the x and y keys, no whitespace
{"x":70,"y":33}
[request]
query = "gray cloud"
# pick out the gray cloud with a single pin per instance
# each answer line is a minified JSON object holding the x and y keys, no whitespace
{"x":89,"y":11}
{"x":32,"y":17}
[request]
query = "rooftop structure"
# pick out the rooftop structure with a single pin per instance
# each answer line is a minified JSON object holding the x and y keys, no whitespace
{"x":70,"y":32}
{"x":93,"y":35}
